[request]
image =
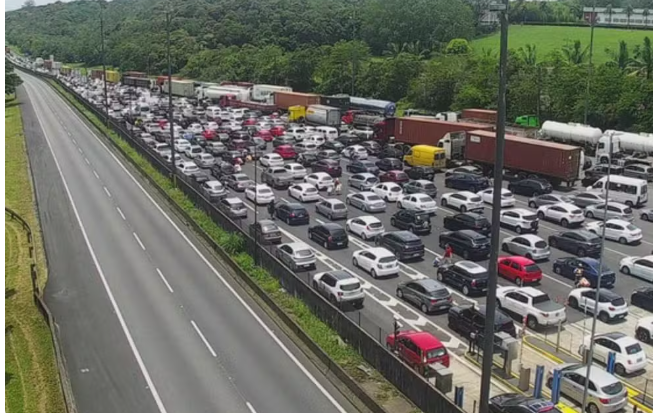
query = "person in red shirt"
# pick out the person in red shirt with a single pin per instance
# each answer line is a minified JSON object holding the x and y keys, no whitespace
{"x":448,"y":254}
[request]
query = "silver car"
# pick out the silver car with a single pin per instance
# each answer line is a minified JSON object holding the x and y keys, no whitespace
{"x":233,"y":208}
{"x":615,"y":211}
{"x":332,"y":209}
{"x":606,"y":394}
{"x":527,"y":245}
{"x":363,"y":181}
{"x":296,"y":255}
{"x":277,"y":177}
{"x":367,"y":201}
{"x":214,"y":190}
{"x":427,"y":294}
{"x":204,"y":160}
{"x":265,"y":231}
{"x":548,"y":199}
{"x":646,"y":214}
{"x":585,"y":199}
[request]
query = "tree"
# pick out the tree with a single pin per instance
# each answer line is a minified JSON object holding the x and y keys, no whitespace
{"x":338,"y":69}
{"x":29,"y":3}
{"x":528,"y":55}
{"x":395,"y":49}
{"x":629,"y":12}
{"x":458,"y":46}
{"x":645,"y":13}
{"x":12,"y":80}
{"x":620,"y":58}
{"x":573,"y":53}
{"x":643,"y":62}
{"x":608,"y":9}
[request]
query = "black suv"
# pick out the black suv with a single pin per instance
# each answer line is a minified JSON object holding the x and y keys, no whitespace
{"x":417,"y":222}
{"x":307,"y":159}
{"x":333,"y":145}
{"x":468,"y":220}
{"x":466,"y":319}
{"x":599,"y":171}
{"x":530,"y":187}
{"x":405,"y":245}
{"x":466,"y":182}
{"x":329,"y":235}
{"x":467,"y":243}
{"x":292,"y":214}
{"x":222,"y":169}
{"x":421,"y":172}
{"x":467,"y":276}
{"x":362,"y":166}
{"x":391,"y":152}
{"x":390,"y":164}
{"x":348,"y":139}
{"x":581,"y":242}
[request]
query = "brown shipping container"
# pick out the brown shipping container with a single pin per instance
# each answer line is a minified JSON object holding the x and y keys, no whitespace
{"x":483,"y":115}
{"x":135,"y":74}
{"x":420,"y":131}
{"x":284,"y":100}
{"x":525,"y":154}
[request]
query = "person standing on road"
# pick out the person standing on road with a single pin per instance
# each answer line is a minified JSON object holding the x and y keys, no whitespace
{"x":448,"y":254}
{"x":271,"y":209}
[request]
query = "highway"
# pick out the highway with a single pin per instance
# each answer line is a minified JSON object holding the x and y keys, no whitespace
{"x":195,"y":342}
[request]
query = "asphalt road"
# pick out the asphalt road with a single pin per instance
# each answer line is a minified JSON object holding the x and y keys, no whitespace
{"x":166,"y":329}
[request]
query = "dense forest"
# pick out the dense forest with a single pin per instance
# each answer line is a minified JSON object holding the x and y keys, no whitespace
{"x":414,"y":52}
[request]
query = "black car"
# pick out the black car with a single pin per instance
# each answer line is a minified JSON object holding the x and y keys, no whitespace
{"x":240,"y":134}
{"x":292,"y":214}
{"x":580,"y":242}
{"x":597,"y":172}
{"x":333,"y":145}
{"x":222,"y":169}
{"x":362,"y":166}
{"x":391,"y":152}
{"x":466,"y":182}
{"x":466,"y":319}
{"x":405,"y":245}
{"x":468,"y":220}
{"x":530,"y":187}
{"x":465,"y":169}
{"x":231,"y":156}
{"x":468,"y":277}
{"x":283,"y":140}
{"x":348,"y":139}
{"x":421,"y":172}
{"x":417,"y":222}
{"x":329,"y":235}
{"x":307,"y":159}
{"x":390,"y":164}
{"x":372,"y":147}
{"x":643,"y":297}
{"x":329,"y":166}
{"x":467,"y":243}
{"x":517,"y":403}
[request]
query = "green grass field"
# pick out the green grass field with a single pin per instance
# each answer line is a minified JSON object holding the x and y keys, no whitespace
{"x":549,"y":38}
{"x":31,"y":378}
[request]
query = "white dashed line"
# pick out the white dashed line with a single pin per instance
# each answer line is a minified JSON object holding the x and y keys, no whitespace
{"x":96,"y":174}
{"x":79,"y":149}
{"x":164,"y":280}
{"x":107,"y":191}
{"x":206,"y":343}
{"x":250,"y":407}
{"x":74,"y":141}
{"x":139,"y":241}
{"x":87,"y":161}
{"x":121,"y":214}
{"x":70,"y":134}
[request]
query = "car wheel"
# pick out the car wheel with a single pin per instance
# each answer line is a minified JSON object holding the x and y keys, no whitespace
{"x":620,"y":370}
{"x":333,"y":300}
{"x":288,"y":220}
{"x":315,"y":285}
{"x":393,"y":222}
{"x":623,"y":241}
{"x":373,"y":273}
{"x":505,"y":248}
{"x":549,"y":382}
{"x":443,"y":202}
{"x":643,"y":335}
{"x":466,"y":254}
{"x":593,"y":408}
{"x":399,"y":206}
{"x":364,"y":208}
{"x":326,"y":245}
{"x":499,"y":304}
{"x":354,"y":262}
{"x":400,"y":293}
{"x":529,"y":256}
{"x":466,"y":290}
{"x":581,"y":252}
{"x":556,"y":269}
{"x":564,"y":223}
{"x":518,"y":229}
{"x":553,"y":242}
{"x":604,"y":317}
{"x":540,"y":215}
{"x":630,"y":204}
{"x":644,"y":217}
{"x":535,"y":193}
{"x":531,"y":322}
{"x":424,"y":309}
{"x":589,"y":214}
{"x":519,"y":282}
{"x":348,"y":201}
{"x":347,"y":228}
{"x":439,"y":276}
{"x":625,"y":270}
{"x":573,"y":302}
{"x":463,"y":209}
{"x":364,"y":236}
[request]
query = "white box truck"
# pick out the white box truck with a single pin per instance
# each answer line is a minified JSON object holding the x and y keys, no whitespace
{"x":323,"y":115}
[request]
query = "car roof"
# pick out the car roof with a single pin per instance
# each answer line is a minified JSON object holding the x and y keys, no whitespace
{"x":518,"y":259}
{"x":233,"y":200}
{"x":430,"y":283}
{"x":600,"y":377}
{"x":341,"y":275}
{"x":406,"y":235}
{"x":616,"y":336}
{"x":531,"y":291}
{"x":295,"y":205}
{"x":264,"y":222}
{"x":530,"y":237}
{"x":331,"y":226}
{"x":471,"y":267}
{"x":298,"y":246}
{"x":424,"y":339}
{"x":521,"y":211}
{"x":368,"y":218}
{"x":619,"y":221}
{"x":466,"y":193}
{"x":470,"y":233}
{"x":380,"y":251}
{"x":365,"y":175}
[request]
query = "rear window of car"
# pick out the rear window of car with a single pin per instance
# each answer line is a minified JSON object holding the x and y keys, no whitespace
{"x":350,"y":287}
{"x":264,"y":191}
{"x":531,"y":268}
{"x":310,"y":190}
{"x":338,"y":233}
{"x":540,"y":244}
{"x":614,"y":388}
{"x":339,"y":206}
{"x":385,"y":260}
{"x":436,"y":352}
{"x":634,"y":348}
{"x":375,"y":225}
{"x":627,"y":211}
{"x":373,"y":198}
{"x":530,"y":217}
{"x":237,"y":205}
{"x":402,"y":175}
{"x":475,"y":199}
{"x":576,"y":212}
{"x":395,"y":189}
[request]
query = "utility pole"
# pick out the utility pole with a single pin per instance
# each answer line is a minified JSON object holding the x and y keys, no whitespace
{"x":104,"y":67}
{"x":590,"y":69}
{"x":170,"y":107}
{"x":491,"y":302}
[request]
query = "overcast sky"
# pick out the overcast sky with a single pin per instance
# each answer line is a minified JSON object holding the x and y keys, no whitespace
{"x":17,"y":4}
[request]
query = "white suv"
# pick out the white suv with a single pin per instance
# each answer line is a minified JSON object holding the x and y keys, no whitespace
{"x":644,"y":330}
{"x":463,"y":201}
{"x":507,"y":198}
{"x":531,"y":303}
{"x":377,"y":261}
{"x":520,"y":219}
{"x":339,"y":287}
{"x":389,"y":191}
{"x":629,"y":355}
{"x":417,"y":202}
{"x":565,"y":214}
{"x":612,"y":306}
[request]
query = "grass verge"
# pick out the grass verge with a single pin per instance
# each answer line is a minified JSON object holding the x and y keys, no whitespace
{"x":318,"y":331}
{"x":31,"y":378}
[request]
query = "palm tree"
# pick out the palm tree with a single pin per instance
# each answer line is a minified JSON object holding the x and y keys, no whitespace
{"x":621,"y":57}
{"x":643,"y":62}
{"x":395,"y":49}
{"x":629,"y":12}
{"x":416,"y":49}
{"x":645,"y":13}
{"x":574,"y":54}
{"x":608,"y":9}
{"x":529,"y":54}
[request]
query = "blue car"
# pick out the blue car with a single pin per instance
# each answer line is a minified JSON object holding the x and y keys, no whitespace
{"x":466,"y":182}
{"x":292,"y":214}
{"x":567,"y":266}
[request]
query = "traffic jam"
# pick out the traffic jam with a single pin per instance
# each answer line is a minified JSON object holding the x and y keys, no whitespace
{"x":387,"y":237}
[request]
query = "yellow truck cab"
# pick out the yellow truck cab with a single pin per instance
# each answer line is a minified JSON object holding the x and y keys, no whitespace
{"x":296,"y":113}
{"x":426,"y":155}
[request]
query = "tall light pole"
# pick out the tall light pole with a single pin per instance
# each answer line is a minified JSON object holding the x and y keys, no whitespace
{"x":104,"y":66}
{"x":491,"y":303}
{"x":170,"y":107}
{"x":590,"y":69}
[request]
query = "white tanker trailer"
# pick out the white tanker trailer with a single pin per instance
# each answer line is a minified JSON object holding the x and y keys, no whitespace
{"x":574,"y":133}
{"x":633,"y":142}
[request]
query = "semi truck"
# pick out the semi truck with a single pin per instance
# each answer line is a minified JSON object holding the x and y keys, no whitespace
{"x":323,"y":115}
{"x":490,"y":116}
{"x":113,"y":76}
{"x":133,"y":73}
{"x":360,"y":118}
{"x":143,"y":82}
{"x":231,"y":100}
{"x":285,"y":99}
{"x":384,"y":107}
{"x":527,"y":157}
{"x":184,"y":88}
{"x":420,"y":131}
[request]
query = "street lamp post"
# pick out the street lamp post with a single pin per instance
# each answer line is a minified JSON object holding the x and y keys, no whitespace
{"x":488,"y":341}
{"x":590,"y":69}
{"x":170,"y":107}
{"x":104,"y":67}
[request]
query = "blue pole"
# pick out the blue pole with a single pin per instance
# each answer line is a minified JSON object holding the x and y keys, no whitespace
{"x":539,"y":375}
{"x":555,"y":387}
{"x":611,"y":360}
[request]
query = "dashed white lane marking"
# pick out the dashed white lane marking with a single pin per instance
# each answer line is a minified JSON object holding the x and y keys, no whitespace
{"x":87,"y":161}
{"x":121,"y":214}
{"x":250,"y":407}
{"x":164,"y":280}
{"x":96,"y":174}
{"x":70,"y":134}
{"x":80,"y":149}
{"x":206,"y":343}
{"x":107,"y":191}
{"x":139,"y":241}
{"x":74,"y":141}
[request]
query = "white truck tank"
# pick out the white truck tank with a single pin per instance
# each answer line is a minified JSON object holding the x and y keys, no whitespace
{"x":216,"y":92}
{"x":571,"y":132}
{"x":263,"y":93}
{"x":633,"y":142}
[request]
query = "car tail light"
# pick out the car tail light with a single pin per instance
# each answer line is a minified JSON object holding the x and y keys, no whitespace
{"x":339,"y":293}
{"x":368,"y":228}
{"x":292,"y":215}
{"x":330,"y":239}
{"x":545,"y":315}
{"x":604,"y":401}
{"x":433,"y":301}
{"x":630,"y":362}
{"x":611,"y":308}
{"x":473,"y":283}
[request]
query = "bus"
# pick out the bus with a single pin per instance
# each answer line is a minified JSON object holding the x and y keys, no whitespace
{"x":630,"y":191}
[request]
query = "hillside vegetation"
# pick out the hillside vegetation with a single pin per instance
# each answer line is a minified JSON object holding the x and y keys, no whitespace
{"x":417,"y":53}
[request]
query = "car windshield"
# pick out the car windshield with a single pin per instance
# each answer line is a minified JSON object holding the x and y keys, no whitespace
{"x":613,"y":389}
{"x":532,"y":268}
{"x":372,"y":180}
{"x":540,"y":244}
{"x":385,"y":260}
{"x":350,"y":287}
{"x":633,"y":349}
{"x":541,"y":300}
{"x":436,"y":352}
{"x":429,"y":186}
{"x":631,"y":227}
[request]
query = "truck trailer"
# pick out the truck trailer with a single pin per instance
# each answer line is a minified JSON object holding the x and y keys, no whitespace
{"x":232,"y":100}
{"x":421,"y":131}
{"x":263,"y":93}
{"x":323,"y":115}
{"x":138,"y":82}
{"x":526,"y":157}
{"x":184,"y":88}
{"x":132,"y":73}
{"x":341,"y":102}
{"x":384,"y":107}
{"x":284,"y":100}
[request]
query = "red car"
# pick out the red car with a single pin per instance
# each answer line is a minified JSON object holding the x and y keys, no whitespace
{"x":520,"y":270}
{"x":249,"y":121}
{"x":277,"y":130}
{"x":286,"y":151}
{"x":419,"y":349}
{"x":208,"y":134}
{"x":398,"y":177}
{"x":266,"y":135}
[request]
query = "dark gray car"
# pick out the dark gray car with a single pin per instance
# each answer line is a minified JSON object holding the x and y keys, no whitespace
{"x":421,"y":186}
{"x":265,"y":231}
{"x":427,"y":294}
{"x":233,"y":207}
{"x":277,"y":177}
{"x":585,"y":199}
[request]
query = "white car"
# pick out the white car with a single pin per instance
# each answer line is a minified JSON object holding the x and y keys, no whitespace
{"x":629,"y":355}
{"x":612,"y":306}
{"x":417,"y":202}
{"x":193,"y":151}
{"x":161,"y":148}
{"x":507,"y":198}
{"x":271,"y":159}
{"x":297,"y":170}
{"x":529,"y":302}
{"x":616,"y":230}
{"x":212,"y":126}
{"x":365,"y":226}
{"x":259,"y":194}
{"x":520,"y":219}
{"x":181,"y":145}
{"x":641,"y":267}
{"x":188,"y":168}
{"x":563,"y":213}
{"x":355,"y":151}
{"x":339,"y":287}
{"x":527,"y":245}
{"x":321,"y":180}
{"x":463,"y":201}
{"x":644,"y":329}
{"x":389,"y":191}
{"x":304,"y":192}
{"x":377,"y":261}
{"x":167,"y":157}
{"x":204,"y":160}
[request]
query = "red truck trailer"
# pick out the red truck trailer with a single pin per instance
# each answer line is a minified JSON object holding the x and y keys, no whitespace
{"x":284,"y":100}
{"x":527,"y":157}
{"x":480,"y":115}
{"x":421,"y":131}
{"x":160,"y":80}
{"x":134,"y":74}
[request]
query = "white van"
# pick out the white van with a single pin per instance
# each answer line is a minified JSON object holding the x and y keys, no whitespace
{"x":213,"y":112}
{"x":630,"y":191}
{"x":328,"y":132}
{"x":317,"y":139}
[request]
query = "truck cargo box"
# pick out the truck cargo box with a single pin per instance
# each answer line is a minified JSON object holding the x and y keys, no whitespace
{"x":422,"y":131}
{"x":184,"y":88}
{"x":323,"y":115}
{"x":284,"y":100}
{"x":532,"y":156}
{"x":137,"y":81}
{"x":113,"y":76}
{"x":132,"y":73}
{"x":481,"y":115}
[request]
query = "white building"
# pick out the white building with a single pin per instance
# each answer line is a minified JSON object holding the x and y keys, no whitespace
{"x":618,"y":17}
